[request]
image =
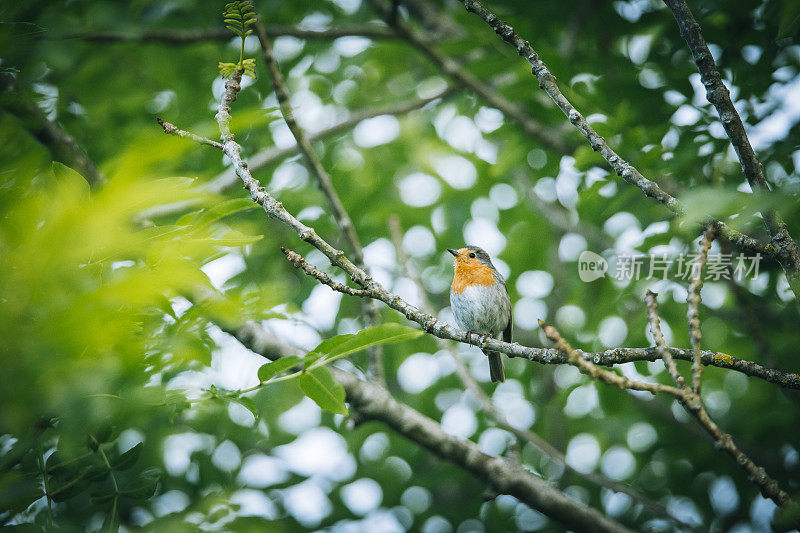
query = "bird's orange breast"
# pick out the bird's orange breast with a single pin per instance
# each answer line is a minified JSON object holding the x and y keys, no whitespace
{"x":468,"y":275}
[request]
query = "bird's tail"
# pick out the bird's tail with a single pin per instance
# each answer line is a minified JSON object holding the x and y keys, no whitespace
{"x":496,"y":367}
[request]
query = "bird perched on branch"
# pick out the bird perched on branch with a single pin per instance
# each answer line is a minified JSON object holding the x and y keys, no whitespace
{"x":480,"y":302}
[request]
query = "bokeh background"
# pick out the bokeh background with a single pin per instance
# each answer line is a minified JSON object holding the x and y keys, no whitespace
{"x":118,"y":330}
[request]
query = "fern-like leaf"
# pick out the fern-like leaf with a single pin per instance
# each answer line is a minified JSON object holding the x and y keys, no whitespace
{"x":238,"y":17}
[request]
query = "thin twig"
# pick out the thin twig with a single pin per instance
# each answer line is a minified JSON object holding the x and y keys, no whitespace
{"x":298,"y":261}
{"x":717,"y":93}
{"x":661,"y":347}
{"x":223,"y":34}
{"x":370,"y":310}
{"x":691,"y":401}
{"x":693,"y":304}
{"x":622,"y":167}
{"x":548,"y":136}
{"x":597,"y":373}
{"x":172,"y":129}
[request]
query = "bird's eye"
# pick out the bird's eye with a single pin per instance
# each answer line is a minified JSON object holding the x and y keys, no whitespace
{"x":472,"y":255}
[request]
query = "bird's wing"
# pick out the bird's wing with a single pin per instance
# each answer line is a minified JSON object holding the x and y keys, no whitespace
{"x":509,"y":327}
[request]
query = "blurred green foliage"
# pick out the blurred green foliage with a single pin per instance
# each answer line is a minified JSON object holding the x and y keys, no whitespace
{"x":105,"y":317}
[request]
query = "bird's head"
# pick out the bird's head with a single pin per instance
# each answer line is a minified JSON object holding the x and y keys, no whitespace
{"x":471,"y":256}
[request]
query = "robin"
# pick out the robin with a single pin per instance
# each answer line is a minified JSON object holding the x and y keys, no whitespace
{"x":480,"y":302}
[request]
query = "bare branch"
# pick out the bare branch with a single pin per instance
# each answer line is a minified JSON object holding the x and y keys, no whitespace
{"x":62,"y":146}
{"x":171,"y":129}
{"x":298,"y":261}
{"x":373,"y":402}
{"x":370,"y":310}
{"x":623,"y":168}
{"x":691,"y":401}
{"x":595,"y":372}
{"x":181,"y":37}
{"x":717,"y":93}
{"x":661,"y":347}
{"x":548,"y":136}
{"x":693,"y":304}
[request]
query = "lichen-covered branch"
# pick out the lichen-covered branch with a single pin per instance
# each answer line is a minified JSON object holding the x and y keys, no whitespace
{"x":661,"y":347}
{"x":298,"y":261}
{"x":430,"y":324}
{"x":595,"y":372}
{"x":547,"y":82}
{"x":693,"y":304}
{"x":172,"y":129}
{"x":548,"y":136}
{"x":692,"y":402}
{"x":373,"y":402}
{"x":717,"y":93}
{"x":370,"y":310}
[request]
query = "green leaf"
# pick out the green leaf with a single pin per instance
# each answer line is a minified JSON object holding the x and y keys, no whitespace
{"x":127,"y":459}
{"x":102,"y":497}
{"x":789,"y":19}
{"x":319,"y":385}
{"x":143,"y":491}
{"x":206,"y":217}
{"x":96,"y":473}
{"x":342,"y":345}
{"x":273,"y":368}
{"x":69,"y":177}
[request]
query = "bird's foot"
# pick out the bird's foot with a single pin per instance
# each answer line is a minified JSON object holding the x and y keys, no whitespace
{"x":485,"y":337}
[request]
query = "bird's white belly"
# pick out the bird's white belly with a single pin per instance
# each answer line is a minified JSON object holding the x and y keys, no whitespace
{"x":482,"y":309}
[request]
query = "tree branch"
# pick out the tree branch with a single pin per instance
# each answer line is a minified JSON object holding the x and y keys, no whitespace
{"x":373,"y":402}
{"x":172,"y":129}
{"x":624,"y":169}
{"x":549,"y":137}
{"x":693,"y":304}
{"x":223,"y":34}
{"x":298,"y":261}
{"x":370,"y":310}
{"x":717,"y":93}
{"x":691,"y":401}
{"x":62,"y":146}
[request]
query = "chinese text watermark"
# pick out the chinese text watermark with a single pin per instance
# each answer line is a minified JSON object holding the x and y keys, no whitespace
{"x":632,"y":267}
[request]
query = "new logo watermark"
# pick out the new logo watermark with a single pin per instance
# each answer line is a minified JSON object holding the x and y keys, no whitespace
{"x":633,"y":267}
{"x":591,"y":266}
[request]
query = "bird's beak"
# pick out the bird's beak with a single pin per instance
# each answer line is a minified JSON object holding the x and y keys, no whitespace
{"x":452,"y":252}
